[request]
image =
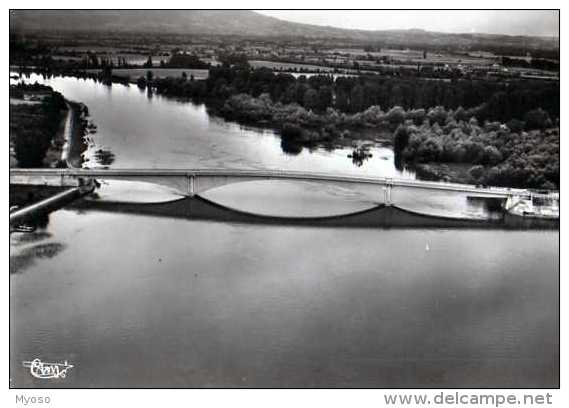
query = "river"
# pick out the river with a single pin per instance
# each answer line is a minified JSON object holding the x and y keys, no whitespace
{"x":140,"y":300}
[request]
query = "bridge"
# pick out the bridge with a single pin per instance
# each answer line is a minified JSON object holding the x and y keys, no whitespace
{"x":198,"y":181}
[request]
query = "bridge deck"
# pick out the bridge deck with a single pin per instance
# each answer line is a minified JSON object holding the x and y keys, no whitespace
{"x":184,"y":179}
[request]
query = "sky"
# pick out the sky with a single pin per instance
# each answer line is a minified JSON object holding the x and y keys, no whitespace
{"x":510,"y":22}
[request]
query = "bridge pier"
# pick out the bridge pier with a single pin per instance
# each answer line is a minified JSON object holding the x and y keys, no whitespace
{"x":191,"y":185}
{"x":387,"y":193}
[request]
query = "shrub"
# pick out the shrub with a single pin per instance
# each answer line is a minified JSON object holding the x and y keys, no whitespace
{"x":396,"y":115}
{"x":537,"y":119}
{"x":438,"y":115}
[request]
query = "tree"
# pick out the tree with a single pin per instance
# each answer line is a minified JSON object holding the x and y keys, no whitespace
{"x":310,"y":99}
{"x":141,"y":82}
{"x":357,"y":99}
{"x":416,"y":115}
{"x":515,"y":125}
{"x":476,"y":172}
{"x":229,"y":59}
{"x":324,"y":97}
{"x":438,"y":115}
{"x":396,"y":115}
{"x":29,"y":148}
{"x":430,"y":150}
{"x":183,"y":60}
{"x":492,"y":155}
{"x":342,"y":100}
{"x":537,"y":119}
{"x":107,"y":72}
{"x":401,"y":138}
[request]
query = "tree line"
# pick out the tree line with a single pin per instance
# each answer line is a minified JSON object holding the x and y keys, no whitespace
{"x":494,"y":100}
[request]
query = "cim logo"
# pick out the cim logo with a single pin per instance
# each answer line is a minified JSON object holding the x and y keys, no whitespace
{"x":45,"y":371}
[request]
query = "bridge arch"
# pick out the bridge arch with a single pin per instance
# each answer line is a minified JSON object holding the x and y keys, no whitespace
{"x":206,"y":183}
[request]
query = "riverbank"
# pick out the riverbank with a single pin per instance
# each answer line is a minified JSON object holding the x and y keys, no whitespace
{"x":57,"y":153}
{"x":77,"y":143}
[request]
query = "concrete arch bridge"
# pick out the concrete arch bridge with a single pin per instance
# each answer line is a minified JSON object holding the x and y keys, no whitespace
{"x":194,"y":182}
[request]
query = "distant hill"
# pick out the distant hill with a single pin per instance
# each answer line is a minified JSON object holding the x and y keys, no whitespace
{"x":247,"y":24}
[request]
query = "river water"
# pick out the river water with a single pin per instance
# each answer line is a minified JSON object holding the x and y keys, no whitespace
{"x":139,"y":300}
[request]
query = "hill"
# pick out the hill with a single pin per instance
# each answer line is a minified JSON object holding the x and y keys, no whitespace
{"x":248,"y":24}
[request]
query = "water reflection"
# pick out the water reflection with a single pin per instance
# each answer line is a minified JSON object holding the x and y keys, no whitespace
{"x":104,"y":157}
{"x":291,"y":147}
{"x":360,"y":154}
{"x":29,"y":247}
{"x":22,"y":259}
